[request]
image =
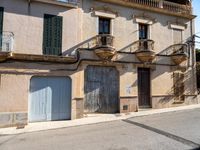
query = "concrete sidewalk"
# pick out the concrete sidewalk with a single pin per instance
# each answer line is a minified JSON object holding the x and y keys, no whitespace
{"x":90,"y":119}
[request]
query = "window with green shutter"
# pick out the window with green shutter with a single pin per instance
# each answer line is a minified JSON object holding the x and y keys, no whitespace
{"x":1,"y":25}
{"x":52,"y":36}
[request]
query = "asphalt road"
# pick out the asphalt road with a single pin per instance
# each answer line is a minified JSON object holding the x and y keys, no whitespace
{"x":169,"y":131}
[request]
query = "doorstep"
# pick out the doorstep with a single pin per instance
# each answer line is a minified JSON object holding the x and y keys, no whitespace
{"x":89,"y":119}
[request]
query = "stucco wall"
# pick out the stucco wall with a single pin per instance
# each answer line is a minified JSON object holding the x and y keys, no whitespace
{"x":26,"y":22}
{"x":79,"y":25}
{"x":125,"y":28}
{"x":128,"y":80}
{"x":162,"y":81}
{"x":14,"y":93}
{"x":15,"y":83}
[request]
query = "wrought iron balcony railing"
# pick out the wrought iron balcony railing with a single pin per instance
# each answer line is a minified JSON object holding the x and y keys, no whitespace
{"x":180,"y":49}
{"x":104,"y":47}
{"x":145,"y":45}
{"x":6,"y":42}
{"x":145,"y":50}
{"x":180,"y":53}
{"x":105,"y":40}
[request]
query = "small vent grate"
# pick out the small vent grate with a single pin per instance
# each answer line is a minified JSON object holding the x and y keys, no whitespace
{"x":125,"y":107}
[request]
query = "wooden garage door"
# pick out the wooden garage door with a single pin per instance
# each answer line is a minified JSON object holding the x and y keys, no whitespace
{"x":101,"y":90}
{"x":50,"y":99}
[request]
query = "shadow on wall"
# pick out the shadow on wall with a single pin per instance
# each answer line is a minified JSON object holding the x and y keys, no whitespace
{"x":169,"y":50}
{"x":186,"y":81}
{"x":132,"y":47}
{"x":87,"y":44}
{"x":90,"y":5}
{"x":198,"y":77}
{"x":181,"y":86}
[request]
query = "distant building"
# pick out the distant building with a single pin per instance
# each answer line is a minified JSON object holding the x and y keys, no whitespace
{"x":61,"y":59}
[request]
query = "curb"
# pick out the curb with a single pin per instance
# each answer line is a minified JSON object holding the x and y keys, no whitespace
{"x":95,"y":119}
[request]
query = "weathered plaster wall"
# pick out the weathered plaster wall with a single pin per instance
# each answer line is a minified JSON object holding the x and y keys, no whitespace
{"x":128,"y":80}
{"x":14,"y":92}
{"x":15,"y":85}
{"x":26,"y":22}
{"x":125,"y":28}
{"x":79,"y":26}
{"x":162,"y":81}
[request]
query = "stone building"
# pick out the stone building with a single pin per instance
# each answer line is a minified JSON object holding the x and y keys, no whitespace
{"x":61,"y":59}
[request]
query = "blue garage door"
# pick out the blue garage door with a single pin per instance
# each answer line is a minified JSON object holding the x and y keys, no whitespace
{"x":50,"y":99}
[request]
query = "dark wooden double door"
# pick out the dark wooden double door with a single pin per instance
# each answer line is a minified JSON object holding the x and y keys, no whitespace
{"x":144,"y":85}
{"x":101,"y":90}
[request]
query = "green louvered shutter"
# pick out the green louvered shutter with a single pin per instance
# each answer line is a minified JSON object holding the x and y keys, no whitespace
{"x":1,"y":25}
{"x":52,"y":36}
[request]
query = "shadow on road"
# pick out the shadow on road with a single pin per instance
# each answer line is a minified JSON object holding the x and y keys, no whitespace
{"x":196,"y":146}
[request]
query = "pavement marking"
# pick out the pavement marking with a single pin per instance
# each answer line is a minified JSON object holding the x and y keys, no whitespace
{"x":196,"y":146}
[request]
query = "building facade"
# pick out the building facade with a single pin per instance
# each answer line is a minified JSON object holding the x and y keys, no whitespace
{"x":62,"y":59}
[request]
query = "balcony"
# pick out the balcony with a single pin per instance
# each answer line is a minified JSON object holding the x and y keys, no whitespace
{"x":180,"y":53}
{"x":7,"y":52}
{"x":6,"y":42}
{"x":171,"y":7}
{"x":104,"y":47}
{"x":66,"y":3}
{"x":145,"y":50}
